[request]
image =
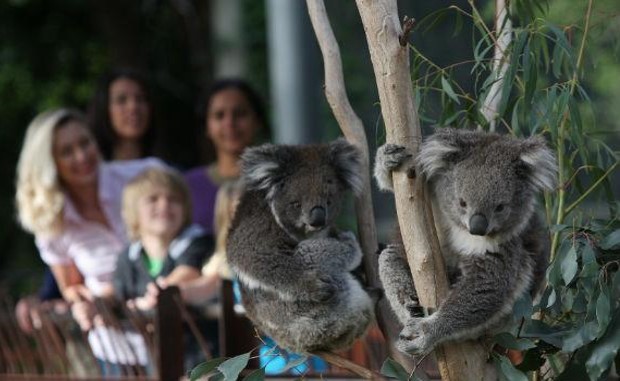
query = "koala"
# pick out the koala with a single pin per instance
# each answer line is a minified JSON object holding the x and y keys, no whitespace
{"x":483,"y":188}
{"x":294,"y":267}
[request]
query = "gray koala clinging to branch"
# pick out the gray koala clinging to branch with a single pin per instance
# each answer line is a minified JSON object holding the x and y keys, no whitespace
{"x":293,"y":265}
{"x":483,"y":189}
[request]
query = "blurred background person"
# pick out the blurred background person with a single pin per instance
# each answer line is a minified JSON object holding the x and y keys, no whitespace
{"x":121,"y":116}
{"x":165,"y":246}
{"x":234,"y":115}
{"x":71,"y":201}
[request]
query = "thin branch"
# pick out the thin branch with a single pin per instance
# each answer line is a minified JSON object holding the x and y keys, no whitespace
{"x":341,"y":362}
{"x":353,"y":129}
{"x":501,"y":59}
{"x":561,"y":212}
{"x":591,"y":189}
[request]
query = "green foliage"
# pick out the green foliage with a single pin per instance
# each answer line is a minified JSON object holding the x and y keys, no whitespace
{"x":393,"y":369}
{"x":549,"y":88}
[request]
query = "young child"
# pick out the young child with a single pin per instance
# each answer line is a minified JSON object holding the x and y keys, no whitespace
{"x":157,"y":214}
{"x":166,"y":248}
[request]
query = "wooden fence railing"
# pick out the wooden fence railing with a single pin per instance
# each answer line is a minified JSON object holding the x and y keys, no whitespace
{"x":57,"y":349}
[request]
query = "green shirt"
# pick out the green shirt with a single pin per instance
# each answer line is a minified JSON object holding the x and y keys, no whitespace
{"x":153,"y":265}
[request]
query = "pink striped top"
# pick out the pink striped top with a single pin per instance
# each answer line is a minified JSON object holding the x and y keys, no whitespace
{"x":91,"y":246}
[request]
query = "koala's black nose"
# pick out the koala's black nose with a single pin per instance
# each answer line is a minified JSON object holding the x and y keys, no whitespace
{"x":478,"y":224}
{"x":317,"y":217}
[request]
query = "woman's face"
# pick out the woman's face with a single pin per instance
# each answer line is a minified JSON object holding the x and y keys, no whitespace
{"x":231,"y":121}
{"x":76,"y":154}
{"x":128,"y":108}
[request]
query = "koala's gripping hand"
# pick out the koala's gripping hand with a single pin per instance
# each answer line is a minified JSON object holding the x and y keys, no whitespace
{"x":319,"y":288}
{"x":480,"y":300}
{"x":340,"y":254}
{"x":389,"y":158}
{"x":397,"y":283}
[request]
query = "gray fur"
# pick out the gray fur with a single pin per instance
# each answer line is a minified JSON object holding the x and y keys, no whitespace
{"x":470,"y":173}
{"x":296,"y":279}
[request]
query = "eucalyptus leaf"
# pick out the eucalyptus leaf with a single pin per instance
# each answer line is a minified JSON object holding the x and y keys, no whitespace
{"x":391,"y":368}
{"x":580,"y":336}
{"x":569,"y":265}
{"x":611,"y":242}
{"x":507,"y":371}
{"x":231,"y":368}
{"x":605,"y":351}
{"x":447,"y":88}
{"x":603,"y":311}
{"x":205,"y":368}
{"x":523,"y":307}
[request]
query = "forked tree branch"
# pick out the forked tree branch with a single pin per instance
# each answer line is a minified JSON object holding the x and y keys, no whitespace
{"x":353,"y":130}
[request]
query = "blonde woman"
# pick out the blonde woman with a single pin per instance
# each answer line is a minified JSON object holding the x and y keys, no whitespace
{"x":71,"y":201}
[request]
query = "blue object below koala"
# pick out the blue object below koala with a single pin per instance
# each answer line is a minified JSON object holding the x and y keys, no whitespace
{"x":276,"y":360}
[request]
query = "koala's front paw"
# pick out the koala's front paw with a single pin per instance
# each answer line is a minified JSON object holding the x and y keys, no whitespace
{"x":415,"y":338}
{"x":392,"y":156}
{"x":323,"y":289}
{"x":349,"y":238}
{"x":389,"y":157}
{"x":390,"y":250}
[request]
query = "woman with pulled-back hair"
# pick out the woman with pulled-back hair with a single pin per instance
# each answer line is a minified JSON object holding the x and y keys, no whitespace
{"x":121,"y":116}
{"x":234,"y":117}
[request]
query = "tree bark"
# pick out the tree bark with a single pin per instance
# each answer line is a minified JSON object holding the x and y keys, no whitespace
{"x":353,"y":130}
{"x":390,"y":59}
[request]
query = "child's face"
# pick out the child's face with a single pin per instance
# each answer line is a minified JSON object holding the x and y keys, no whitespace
{"x":160,"y":213}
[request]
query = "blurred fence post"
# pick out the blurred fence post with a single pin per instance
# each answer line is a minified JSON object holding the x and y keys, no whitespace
{"x":169,"y":336}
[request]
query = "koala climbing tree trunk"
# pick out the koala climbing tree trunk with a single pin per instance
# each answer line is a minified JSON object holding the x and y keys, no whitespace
{"x":389,"y":53}
{"x":353,"y":130}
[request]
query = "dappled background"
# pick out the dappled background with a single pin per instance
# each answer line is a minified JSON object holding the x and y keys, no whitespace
{"x":53,"y":51}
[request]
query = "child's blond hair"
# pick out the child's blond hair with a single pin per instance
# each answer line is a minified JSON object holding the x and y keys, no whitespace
{"x":225,"y":205}
{"x":141,"y":184}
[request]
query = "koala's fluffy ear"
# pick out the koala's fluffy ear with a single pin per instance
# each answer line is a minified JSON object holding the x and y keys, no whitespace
{"x":541,"y":167}
{"x":263,"y":166}
{"x":437,"y":151}
{"x":348,"y":163}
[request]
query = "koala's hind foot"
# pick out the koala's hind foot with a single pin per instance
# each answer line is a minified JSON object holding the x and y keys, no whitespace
{"x":398,"y":283}
{"x":389,"y":158}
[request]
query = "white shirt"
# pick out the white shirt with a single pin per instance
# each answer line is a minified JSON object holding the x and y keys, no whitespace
{"x":91,"y":246}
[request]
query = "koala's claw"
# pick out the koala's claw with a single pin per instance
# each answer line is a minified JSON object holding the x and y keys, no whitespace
{"x":393,"y":156}
{"x":413,"y":339}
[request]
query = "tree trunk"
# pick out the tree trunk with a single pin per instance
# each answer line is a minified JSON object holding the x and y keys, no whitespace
{"x":390,"y":59}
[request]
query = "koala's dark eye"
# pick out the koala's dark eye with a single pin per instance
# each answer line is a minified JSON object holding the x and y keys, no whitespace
{"x":329,"y":202}
{"x":499,"y":208}
{"x":462,"y":203}
{"x":296,"y":204}
{"x":330,"y":181}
